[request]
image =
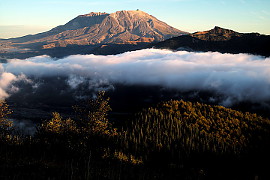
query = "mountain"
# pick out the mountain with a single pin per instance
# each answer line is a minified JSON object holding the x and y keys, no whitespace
{"x":118,"y":28}
{"x":221,"y":40}
{"x":216,"y":34}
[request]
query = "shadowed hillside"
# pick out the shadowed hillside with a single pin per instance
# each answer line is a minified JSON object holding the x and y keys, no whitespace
{"x":221,"y":40}
{"x":174,"y":139}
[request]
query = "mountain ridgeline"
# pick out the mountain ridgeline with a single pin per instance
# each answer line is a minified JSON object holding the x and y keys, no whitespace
{"x":126,"y":27}
{"x":95,"y":31}
{"x":220,"y":40}
{"x":122,"y":31}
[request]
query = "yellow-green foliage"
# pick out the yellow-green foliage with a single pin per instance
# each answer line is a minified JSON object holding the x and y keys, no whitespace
{"x":119,"y":155}
{"x":93,"y":116}
{"x":90,"y":128}
{"x":181,"y":127}
{"x":5,"y":124}
{"x":59,"y":126}
{"x":4,"y":112}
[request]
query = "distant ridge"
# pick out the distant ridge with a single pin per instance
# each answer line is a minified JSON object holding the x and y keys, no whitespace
{"x":217,"y":34}
{"x":221,"y":40}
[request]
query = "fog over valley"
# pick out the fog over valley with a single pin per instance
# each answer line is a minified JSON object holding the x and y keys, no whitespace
{"x":238,"y":76}
{"x":133,"y":78}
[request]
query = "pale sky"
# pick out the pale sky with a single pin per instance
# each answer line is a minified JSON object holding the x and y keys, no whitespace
{"x":22,"y":17}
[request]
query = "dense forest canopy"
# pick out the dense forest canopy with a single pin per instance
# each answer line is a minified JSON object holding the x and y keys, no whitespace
{"x":193,"y":140}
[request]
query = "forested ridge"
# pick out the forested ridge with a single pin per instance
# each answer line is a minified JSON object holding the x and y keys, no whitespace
{"x":174,"y":139}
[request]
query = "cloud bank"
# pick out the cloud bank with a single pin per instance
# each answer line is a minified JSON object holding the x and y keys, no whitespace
{"x":236,"y":77}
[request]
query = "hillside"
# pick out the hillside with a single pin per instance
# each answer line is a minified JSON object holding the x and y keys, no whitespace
{"x":171,"y":140}
{"x":221,"y":40}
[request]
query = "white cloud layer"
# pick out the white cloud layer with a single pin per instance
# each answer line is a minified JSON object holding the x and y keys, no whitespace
{"x":238,"y":77}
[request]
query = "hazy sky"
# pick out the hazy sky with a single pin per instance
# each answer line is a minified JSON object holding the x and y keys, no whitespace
{"x":21,"y":17}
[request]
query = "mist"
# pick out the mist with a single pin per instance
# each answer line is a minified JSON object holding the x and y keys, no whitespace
{"x":233,"y":78}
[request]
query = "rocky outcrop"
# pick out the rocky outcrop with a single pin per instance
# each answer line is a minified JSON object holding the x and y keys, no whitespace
{"x":216,"y":34}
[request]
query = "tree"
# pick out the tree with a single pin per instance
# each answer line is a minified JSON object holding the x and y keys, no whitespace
{"x":93,"y":116}
{"x":5,"y":124}
{"x":58,"y":125}
{"x":58,"y":131}
{"x":91,"y":128}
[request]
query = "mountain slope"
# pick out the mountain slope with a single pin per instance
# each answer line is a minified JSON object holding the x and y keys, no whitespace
{"x":121,"y":27}
{"x":95,"y":33}
{"x":221,"y":40}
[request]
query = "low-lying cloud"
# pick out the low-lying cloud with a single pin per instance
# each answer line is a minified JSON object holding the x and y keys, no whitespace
{"x":236,"y":77}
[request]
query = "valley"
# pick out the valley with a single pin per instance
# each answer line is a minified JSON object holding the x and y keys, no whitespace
{"x":124,"y":95}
